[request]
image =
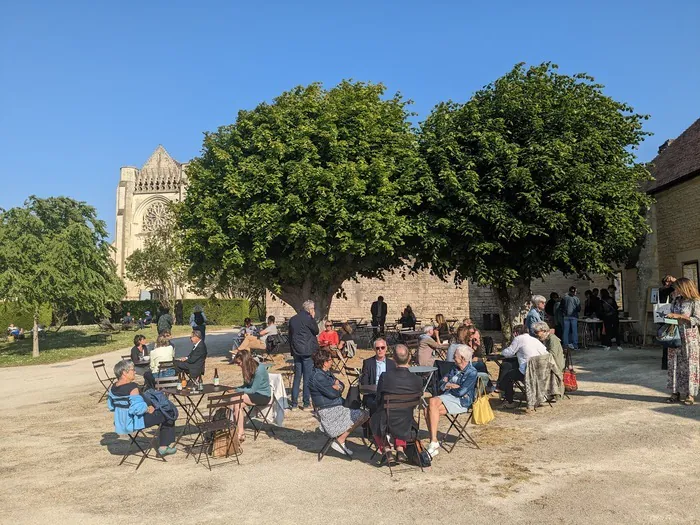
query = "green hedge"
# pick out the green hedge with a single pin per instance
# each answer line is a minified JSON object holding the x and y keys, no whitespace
{"x":23,"y":317}
{"x":218,"y":311}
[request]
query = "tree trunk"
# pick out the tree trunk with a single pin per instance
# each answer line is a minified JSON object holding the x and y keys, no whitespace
{"x":511,"y":303}
{"x":295,"y":296}
{"x":35,"y":334}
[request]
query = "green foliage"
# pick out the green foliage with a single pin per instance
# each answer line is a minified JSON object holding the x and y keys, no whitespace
{"x":23,"y":316}
{"x":159,"y":265}
{"x":137,"y":309}
{"x":534,"y":174}
{"x":219,"y":311}
{"x":305,"y":193}
{"x":55,"y":251}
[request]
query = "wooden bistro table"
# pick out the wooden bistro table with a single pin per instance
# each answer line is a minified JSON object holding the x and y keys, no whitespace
{"x":189,"y":400}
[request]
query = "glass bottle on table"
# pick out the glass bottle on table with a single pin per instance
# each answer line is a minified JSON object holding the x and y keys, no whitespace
{"x":183,"y":380}
{"x":179,"y":381}
{"x":216,"y":377}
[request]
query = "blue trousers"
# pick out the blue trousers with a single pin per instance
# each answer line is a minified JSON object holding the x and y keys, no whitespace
{"x":571,"y":331}
{"x":302,"y":367}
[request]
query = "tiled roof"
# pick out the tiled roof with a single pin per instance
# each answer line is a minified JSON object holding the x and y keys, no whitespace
{"x":678,"y":161}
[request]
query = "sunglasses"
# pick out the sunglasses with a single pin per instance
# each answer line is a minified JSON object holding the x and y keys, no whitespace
{"x":380,"y":347}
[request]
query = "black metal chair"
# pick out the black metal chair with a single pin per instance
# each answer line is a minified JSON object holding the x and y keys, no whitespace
{"x":137,"y":439}
{"x":105,"y":379}
{"x":220,"y":419}
{"x":402,"y":401}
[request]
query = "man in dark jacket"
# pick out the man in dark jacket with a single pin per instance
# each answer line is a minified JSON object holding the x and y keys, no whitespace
{"x":194,"y":363}
{"x":400,"y":425}
{"x":378,"y":311}
{"x":372,"y":370}
{"x":302,"y":339}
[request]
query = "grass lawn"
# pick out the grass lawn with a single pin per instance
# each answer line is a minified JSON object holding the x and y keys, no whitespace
{"x":73,"y":342}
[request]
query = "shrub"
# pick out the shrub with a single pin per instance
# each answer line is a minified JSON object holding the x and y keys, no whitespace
{"x":22,"y":317}
{"x":218,"y":311}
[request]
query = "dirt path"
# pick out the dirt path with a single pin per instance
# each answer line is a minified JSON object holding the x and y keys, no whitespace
{"x":614,"y":453}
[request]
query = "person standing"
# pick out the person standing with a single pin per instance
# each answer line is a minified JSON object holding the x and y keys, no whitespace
{"x":165,"y":321}
{"x":549,"y":308}
{"x":665,"y":297}
{"x":570,"y":307}
{"x":684,"y":362}
{"x":608,"y":313}
{"x":198,"y":321}
{"x":302,"y":337}
{"x":536,"y":313}
{"x":378,"y":311}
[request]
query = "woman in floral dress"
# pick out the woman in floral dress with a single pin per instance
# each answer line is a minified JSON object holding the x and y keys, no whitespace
{"x":684,"y":362}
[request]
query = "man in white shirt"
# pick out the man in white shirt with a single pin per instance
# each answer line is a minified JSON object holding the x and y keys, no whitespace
{"x":524,"y":346}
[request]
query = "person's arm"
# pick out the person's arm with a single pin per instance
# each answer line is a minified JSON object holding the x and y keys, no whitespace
{"x":467,"y":382}
{"x":325,"y":387}
{"x":511,"y":350}
{"x":138,"y":406}
{"x":254,"y":384}
{"x":135,"y":354}
{"x":364,"y":376}
{"x":196,"y":355}
{"x":192,"y":320}
{"x":204,"y":318}
{"x":432,"y":343}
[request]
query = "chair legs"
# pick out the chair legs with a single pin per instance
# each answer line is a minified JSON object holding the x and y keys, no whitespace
{"x":325,"y":448}
{"x":461,"y":432}
{"x":144,"y":451}
{"x":265,"y":412}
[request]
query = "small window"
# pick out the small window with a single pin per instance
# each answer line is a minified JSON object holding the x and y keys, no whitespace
{"x":690,"y":271}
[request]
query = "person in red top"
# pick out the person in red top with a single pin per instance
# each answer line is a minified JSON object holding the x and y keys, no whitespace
{"x":328,"y":337}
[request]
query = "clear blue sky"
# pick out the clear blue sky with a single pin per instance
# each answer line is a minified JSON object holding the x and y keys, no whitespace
{"x":87,"y":87}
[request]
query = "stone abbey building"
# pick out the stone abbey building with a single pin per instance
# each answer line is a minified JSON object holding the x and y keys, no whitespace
{"x":142,"y":195}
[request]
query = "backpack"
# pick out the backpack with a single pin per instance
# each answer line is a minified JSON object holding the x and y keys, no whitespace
{"x":198,"y":318}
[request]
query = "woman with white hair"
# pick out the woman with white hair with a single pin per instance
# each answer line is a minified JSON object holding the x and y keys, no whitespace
{"x":459,"y":392}
{"x":198,"y":320}
{"x":536,"y":313}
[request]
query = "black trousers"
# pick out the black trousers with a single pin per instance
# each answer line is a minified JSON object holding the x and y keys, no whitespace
{"x":167,"y":431}
{"x":612,"y":331}
{"x":508,"y":380}
{"x":202,"y":328}
{"x":506,"y":366}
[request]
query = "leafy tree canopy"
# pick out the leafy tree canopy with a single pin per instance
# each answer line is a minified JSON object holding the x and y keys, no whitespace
{"x":55,"y":251}
{"x":305,"y":193}
{"x":536,"y":173}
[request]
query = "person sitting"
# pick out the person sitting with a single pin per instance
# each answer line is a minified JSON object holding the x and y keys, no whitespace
{"x":139,"y":351}
{"x":165,"y":321}
{"x":251,"y":342}
{"x":328,"y":337}
{"x":346,"y":339}
{"x":132,"y":413}
{"x":408,"y":318}
{"x":400,"y":423}
{"x":147,"y":319}
{"x":194,"y":362}
{"x":255,"y":389}
{"x":524,"y":346}
{"x":441,"y":326}
{"x":13,"y":330}
{"x":426,"y":346}
{"x":551,"y":342}
{"x":459,"y":390}
{"x":163,"y":352}
{"x":326,"y":392}
{"x":461,"y":337}
{"x":127,"y":320}
{"x":372,"y":370}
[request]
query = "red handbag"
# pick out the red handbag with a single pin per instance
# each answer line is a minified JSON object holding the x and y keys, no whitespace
{"x":570,"y":383}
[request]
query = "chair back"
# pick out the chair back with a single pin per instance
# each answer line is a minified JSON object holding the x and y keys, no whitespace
{"x":487,"y":343}
{"x":99,"y":366}
{"x":163,"y":383}
{"x":165,"y":365}
{"x":126,"y":357}
{"x":397,"y":401}
{"x":227,"y":401}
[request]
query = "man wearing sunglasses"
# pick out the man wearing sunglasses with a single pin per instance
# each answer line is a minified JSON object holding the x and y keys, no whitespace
{"x":372,"y":369}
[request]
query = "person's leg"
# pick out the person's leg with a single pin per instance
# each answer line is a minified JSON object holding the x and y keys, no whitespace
{"x":565,"y":335}
{"x":341,"y":438}
{"x":605,"y":338}
{"x":615,"y":332}
{"x":166,"y":435}
{"x":240,"y":415}
{"x":432,"y":417}
{"x":255,"y":344}
{"x":245,"y":345}
{"x":307,"y":366}
{"x":203,"y":328}
{"x":506,"y":366}
{"x":508,"y":381}
{"x":182,"y":366}
{"x":149,"y":380}
{"x":664,"y":356}
{"x":400,"y":444}
{"x":297,"y":380}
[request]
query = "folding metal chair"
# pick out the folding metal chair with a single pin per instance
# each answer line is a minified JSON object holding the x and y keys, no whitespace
{"x":143,"y":451}
{"x":166,"y":383}
{"x":264,"y":412}
{"x":461,"y":428}
{"x":105,"y":380}
{"x":214,"y":423}
{"x":395,"y":402}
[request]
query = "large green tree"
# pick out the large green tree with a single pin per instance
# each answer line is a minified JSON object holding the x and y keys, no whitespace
{"x":55,"y":251}
{"x":535,"y":173}
{"x":304,"y":193}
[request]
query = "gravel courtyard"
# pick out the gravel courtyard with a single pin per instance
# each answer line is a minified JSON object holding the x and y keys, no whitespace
{"x":614,"y":453}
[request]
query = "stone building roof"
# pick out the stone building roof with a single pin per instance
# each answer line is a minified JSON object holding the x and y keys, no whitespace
{"x":160,"y":173}
{"x":678,"y":160}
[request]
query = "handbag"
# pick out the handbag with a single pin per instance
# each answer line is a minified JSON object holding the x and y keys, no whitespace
{"x":222,"y":438}
{"x":668,"y":333}
{"x":570,"y":383}
{"x":352,"y":400}
{"x":418,"y":455}
{"x":482,"y":413}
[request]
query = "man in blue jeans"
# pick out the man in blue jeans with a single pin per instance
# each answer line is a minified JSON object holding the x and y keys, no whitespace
{"x":303,"y":331}
{"x":570,"y":307}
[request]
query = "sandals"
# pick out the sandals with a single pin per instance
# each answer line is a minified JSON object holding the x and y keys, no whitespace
{"x":675,"y":398}
{"x":688,"y":401}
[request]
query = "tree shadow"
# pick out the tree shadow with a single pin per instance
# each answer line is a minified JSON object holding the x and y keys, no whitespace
{"x":689,"y":412}
{"x":615,"y":395}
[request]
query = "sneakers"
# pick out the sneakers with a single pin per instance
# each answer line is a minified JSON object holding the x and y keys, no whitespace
{"x":167,"y":451}
{"x":619,"y":349}
{"x":433,"y":449}
{"x":341,"y":448}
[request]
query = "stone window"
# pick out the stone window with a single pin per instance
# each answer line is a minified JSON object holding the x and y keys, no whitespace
{"x":156,"y":216}
{"x":690,"y":271}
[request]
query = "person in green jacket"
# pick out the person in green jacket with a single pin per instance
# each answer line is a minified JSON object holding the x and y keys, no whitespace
{"x":255,"y":389}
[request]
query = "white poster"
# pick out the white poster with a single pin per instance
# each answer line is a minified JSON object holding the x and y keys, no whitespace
{"x":654,"y":298}
{"x":660,"y":310}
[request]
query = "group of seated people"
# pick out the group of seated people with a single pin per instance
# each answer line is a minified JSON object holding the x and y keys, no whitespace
{"x":250,"y":338}
{"x":15,"y":331}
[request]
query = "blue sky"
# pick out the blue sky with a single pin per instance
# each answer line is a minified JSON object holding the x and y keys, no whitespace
{"x":87,"y":87}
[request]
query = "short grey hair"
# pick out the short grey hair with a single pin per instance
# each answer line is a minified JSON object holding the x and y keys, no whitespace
{"x":122,"y":367}
{"x":540,"y":326}
{"x":402,"y":355}
{"x":307,"y":306}
{"x":538,"y":299}
{"x":197,"y":333}
{"x":465,"y":351}
{"x":427,"y":328}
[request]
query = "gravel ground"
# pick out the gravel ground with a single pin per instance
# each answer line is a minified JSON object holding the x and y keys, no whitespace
{"x":615,"y":452}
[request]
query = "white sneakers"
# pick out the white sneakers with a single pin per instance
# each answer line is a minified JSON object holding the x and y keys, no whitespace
{"x":341,"y":448}
{"x":619,"y":349}
{"x":433,"y":449}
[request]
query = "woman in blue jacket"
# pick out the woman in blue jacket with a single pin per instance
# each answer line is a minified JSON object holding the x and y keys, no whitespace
{"x":327,"y":396}
{"x":459,"y":387}
{"x":131,"y":413}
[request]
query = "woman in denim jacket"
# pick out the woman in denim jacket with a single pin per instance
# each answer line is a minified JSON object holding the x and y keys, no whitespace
{"x":459,"y":387}
{"x":326,"y":394}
